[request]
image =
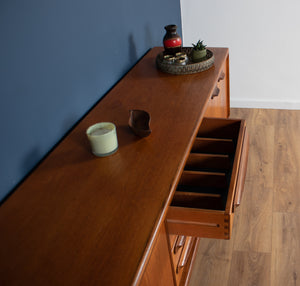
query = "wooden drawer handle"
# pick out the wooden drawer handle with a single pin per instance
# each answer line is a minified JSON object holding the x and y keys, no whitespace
{"x":242,"y":171}
{"x":185,"y":253}
{"x":221,"y":77}
{"x":215,"y":92}
{"x":179,"y":243}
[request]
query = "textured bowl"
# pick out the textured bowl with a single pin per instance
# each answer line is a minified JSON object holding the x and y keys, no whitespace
{"x":139,"y":122}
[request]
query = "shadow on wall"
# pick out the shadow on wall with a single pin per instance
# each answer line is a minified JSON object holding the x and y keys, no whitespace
{"x":30,"y":159}
{"x":133,"y":57}
{"x":148,"y":36}
{"x":33,"y":157}
{"x":133,"y":51}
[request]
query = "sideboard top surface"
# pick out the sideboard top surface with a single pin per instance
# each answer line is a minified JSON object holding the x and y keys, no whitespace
{"x":79,"y":219}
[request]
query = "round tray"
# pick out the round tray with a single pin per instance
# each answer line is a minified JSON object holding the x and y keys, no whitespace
{"x":188,"y":67}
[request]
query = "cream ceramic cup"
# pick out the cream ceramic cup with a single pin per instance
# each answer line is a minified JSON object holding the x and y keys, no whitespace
{"x":103,"y":138}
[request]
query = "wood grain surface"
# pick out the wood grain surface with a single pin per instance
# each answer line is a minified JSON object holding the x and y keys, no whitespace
{"x":82,"y":220}
{"x":265,"y":245}
{"x":159,"y":268}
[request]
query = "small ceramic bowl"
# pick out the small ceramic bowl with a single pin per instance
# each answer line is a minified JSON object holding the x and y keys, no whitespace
{"x":139,"y":122}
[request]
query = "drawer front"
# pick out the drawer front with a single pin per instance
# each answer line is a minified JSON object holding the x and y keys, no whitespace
{"x":212,"y":182}
{"x":218,"y":105}
{"x":183,"y":250}
{"x":176,"y":249}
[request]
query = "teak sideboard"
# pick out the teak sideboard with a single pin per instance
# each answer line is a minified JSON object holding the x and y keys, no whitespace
{"x":135,"y":217}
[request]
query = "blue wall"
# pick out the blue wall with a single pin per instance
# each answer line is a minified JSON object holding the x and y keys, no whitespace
{"x":57,"y":59}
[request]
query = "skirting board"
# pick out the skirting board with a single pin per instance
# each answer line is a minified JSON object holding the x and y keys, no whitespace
{"x":265,"y":104}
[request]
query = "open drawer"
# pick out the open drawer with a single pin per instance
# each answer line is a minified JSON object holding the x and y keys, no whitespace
{"x":211,"y":184}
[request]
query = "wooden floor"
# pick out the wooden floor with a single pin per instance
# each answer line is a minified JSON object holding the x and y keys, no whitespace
{"x":265,"y":245}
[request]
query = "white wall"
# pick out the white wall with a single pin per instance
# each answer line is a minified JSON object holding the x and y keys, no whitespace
{"x":263,"y":37}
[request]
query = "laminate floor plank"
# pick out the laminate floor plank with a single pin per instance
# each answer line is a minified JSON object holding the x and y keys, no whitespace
{"x":250,"y":269}
{"x":255,"y":116}
{"x":253,"y":228}
{"x":285,"y":268}
{"x":287,"y":161}
{"x":213,"y":262}
{"x":265,"y":244}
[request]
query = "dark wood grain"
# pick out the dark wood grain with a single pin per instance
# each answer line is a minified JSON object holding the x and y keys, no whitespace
{"x":82,"y":220}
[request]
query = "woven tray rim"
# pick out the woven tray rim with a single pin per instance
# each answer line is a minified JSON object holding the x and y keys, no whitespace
{"x":190,"y":67}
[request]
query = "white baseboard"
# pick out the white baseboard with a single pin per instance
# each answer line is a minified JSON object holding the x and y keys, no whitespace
{"x":265,"y":104}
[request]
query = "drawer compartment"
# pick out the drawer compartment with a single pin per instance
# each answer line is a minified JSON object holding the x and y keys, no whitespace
{"x":211,"y":184}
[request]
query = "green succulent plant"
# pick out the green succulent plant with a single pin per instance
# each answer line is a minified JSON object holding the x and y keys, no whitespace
{"x":199,"y":46}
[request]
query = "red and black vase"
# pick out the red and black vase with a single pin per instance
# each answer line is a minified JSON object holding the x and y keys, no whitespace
{"x":172,"y":41}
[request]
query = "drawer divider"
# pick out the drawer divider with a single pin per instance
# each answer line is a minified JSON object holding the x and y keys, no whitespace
{"x":213,"y":145}
{"x":208,"y":162}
